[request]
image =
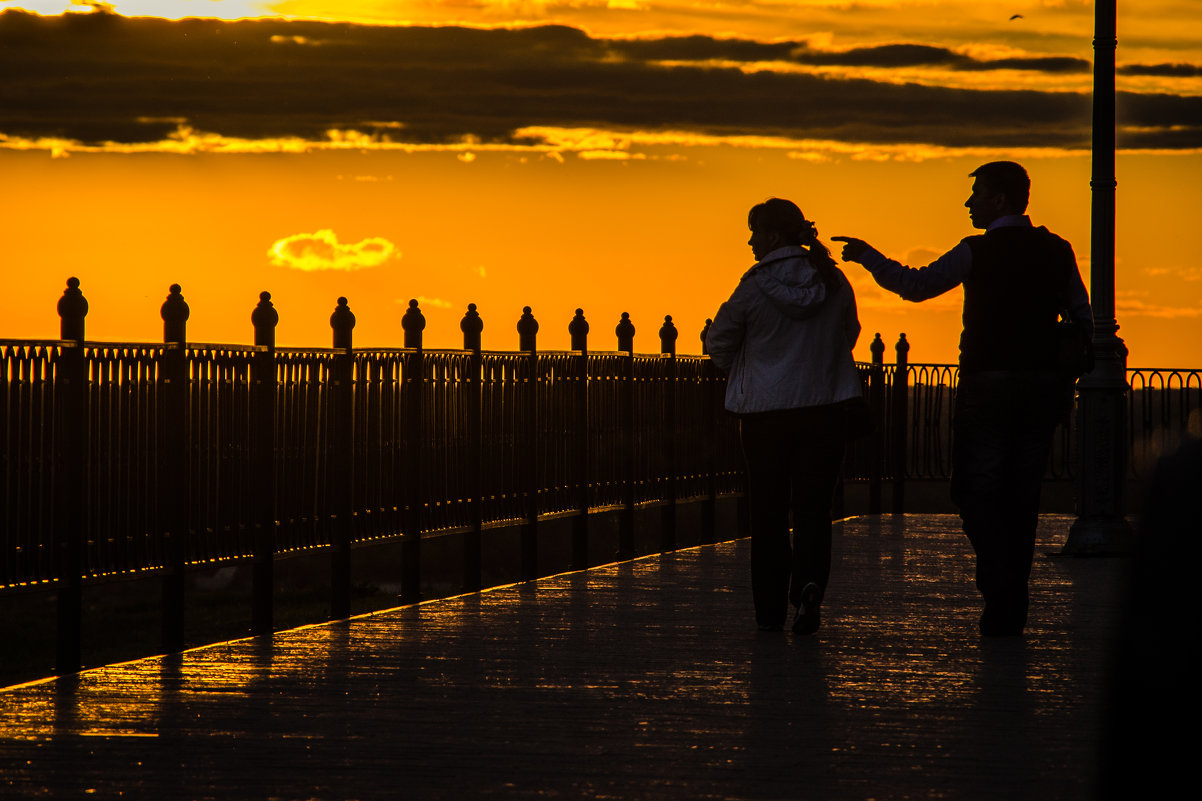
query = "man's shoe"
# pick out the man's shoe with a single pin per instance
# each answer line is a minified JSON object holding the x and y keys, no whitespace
{"x":1003,"y":620}
{"x":807,"y":619}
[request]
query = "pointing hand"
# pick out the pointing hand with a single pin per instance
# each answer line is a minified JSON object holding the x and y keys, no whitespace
{"x":853,"y":248}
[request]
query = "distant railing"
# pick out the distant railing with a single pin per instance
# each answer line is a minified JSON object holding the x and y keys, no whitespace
{"x":120,"y":459}
{"x":913,"y":405}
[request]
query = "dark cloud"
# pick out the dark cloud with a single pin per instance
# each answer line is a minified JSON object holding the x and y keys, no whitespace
{"x":1048,"y":64}
{"x":1162,"y":70}
{"x":101,"y":77}
{"x":704,"y":48}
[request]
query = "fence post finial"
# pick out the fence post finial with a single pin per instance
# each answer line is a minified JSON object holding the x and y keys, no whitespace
{"x":264,"y":318}
{"x":413,"y":322}
{"x":471,"y":325}
{"x":72,"y":308}
{"x":667,"y":336}
{"x":343,"y":323}
{"x":175,"y":314}
{"x":527,"y":330}
{"x":625,"y":332}
{"x":705,"y":332}
{"x":903,"y":349}
{"x":877,"y":348}
{"x":578,"y":328}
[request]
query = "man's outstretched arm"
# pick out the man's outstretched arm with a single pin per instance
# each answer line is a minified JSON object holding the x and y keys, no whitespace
{"x":923,"y":283}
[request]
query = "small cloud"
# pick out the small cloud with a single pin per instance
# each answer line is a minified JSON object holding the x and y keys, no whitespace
{"x":323,"y":251}
{"x":612,"y":155}
{"x":429,"y":303}
{"x":298,"y":40}
{"x":91,"y":6}
{"x":482,"y":271}
{"x":808,"y":155}
{"x":467,"y":157}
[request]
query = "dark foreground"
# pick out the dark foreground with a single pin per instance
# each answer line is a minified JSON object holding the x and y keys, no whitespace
{"x":642,"y":680}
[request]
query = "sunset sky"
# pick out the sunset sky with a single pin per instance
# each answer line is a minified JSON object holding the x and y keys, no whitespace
{"x":587,"y":153}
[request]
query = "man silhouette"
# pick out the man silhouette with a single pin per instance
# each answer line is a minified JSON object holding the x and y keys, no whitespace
{"x":1017,"y":280}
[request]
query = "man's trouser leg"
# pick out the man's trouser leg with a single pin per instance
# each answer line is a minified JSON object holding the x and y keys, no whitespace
{"x":1002,"y":433}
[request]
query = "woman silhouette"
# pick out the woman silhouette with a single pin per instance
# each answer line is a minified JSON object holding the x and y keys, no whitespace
{"x":784,"y":339}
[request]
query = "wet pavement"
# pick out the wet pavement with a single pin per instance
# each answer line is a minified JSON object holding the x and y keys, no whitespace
{"x":640,"y":680}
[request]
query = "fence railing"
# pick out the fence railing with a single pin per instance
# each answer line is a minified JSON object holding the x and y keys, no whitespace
{"x":915,"y":404}
{"x":152,"y":459}
{"x":120,"y":459}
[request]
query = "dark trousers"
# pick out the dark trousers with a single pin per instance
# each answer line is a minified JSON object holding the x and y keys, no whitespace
{"x":793,"y":460}
{"x":1002,"y":427}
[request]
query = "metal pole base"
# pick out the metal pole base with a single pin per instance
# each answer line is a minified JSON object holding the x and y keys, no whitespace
{"x":1100,"y":535}
{"x":1101,"y":528}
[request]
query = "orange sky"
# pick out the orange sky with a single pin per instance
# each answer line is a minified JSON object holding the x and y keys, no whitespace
{"x":612,"y":217}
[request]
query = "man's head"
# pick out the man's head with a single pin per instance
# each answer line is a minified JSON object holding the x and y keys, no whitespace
{"x":1000,"y":188}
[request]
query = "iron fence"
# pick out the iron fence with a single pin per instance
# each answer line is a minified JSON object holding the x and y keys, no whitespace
{"x":127,"y":458}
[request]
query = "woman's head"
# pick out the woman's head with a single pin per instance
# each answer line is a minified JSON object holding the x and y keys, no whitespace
{"x":776,"y":223}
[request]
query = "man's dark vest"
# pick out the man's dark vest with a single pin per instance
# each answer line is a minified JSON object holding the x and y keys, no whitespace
{"x":1013,"y":295}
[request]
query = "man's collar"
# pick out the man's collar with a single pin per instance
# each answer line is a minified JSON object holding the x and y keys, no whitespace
{"x":1010,"y":221}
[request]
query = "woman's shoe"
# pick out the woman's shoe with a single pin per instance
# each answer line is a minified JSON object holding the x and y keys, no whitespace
{"x":807,"y":620}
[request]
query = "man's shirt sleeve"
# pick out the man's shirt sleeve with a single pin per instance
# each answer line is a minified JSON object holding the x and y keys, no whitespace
{"x":946,"y":272}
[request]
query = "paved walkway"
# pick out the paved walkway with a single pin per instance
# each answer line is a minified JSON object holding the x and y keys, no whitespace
{"x":643,"y":680}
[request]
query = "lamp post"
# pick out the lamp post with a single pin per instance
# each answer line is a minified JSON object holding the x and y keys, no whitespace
{"x":1100,"y":527}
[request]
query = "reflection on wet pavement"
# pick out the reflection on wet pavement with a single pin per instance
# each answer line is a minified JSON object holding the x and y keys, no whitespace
{"x":645,"y":679}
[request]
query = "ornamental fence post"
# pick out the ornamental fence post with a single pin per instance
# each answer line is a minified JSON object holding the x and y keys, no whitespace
{"x":413,"y":376}
{"x":528,"y":444}
{"x":70,"y":476}
{"x":473,"y":543}
{"x":901,"y":391}
{"x":667,"y":349}
{"x":578,"y":329}
{"x":876,"y":400}
{"x":709,"y":412}
{"x":341,"y":472}
{"x":173,"y":475}
{"x":626,"y":424}
{"x":263,"y":463}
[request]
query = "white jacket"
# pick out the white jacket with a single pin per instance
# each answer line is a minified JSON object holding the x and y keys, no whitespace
{"x":783,"y":339}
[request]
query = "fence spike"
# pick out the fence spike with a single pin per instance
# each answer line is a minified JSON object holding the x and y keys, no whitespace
{"x":175,"y":313}
{"x":72,"y":308}
{"x":877,"y":348}
{"x":471,"y":325}
{"x":414,"y":322}
{"x":343,"y":323}
{"x":527,"y":330}
{"x":265,"y":318}
{"x":625,"y":332}
{"x":578,"y":328}
{"x":667,"y":336}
